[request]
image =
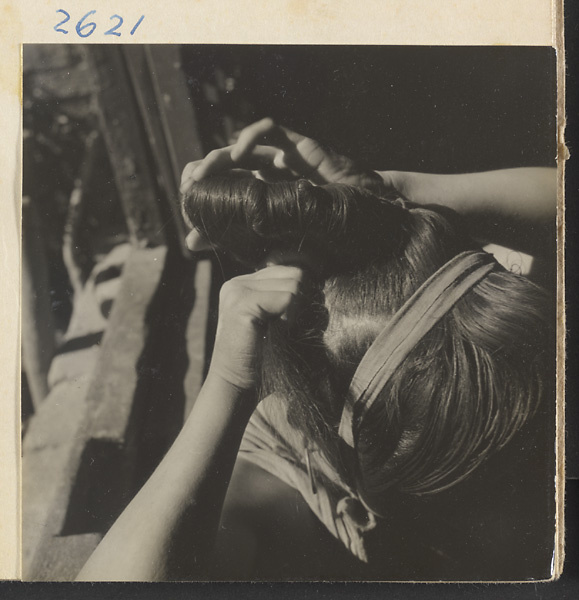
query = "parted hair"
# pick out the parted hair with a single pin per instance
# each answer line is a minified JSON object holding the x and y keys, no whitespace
{"x":467,"y":388}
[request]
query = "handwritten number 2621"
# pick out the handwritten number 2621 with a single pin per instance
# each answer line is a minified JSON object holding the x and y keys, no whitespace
{"x":84,"y":28}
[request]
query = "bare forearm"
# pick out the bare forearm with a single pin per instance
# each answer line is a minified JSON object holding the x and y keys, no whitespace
{"x":509,"y":206}
{"x":168,"y":529}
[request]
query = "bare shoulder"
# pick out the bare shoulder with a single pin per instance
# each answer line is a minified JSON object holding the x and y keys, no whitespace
{"x":268,"y":532}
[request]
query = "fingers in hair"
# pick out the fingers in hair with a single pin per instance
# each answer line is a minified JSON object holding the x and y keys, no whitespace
{"x":265,"y":132}
{"x":196,"y":242}
{"x":260,"y":299}
{"x":187,"y":175}
{"x":215,"y":162}
{"x":276,"y":272}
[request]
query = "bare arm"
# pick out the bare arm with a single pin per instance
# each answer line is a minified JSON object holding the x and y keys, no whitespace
{"x":168,"y":530}
{"x":513,"y":207}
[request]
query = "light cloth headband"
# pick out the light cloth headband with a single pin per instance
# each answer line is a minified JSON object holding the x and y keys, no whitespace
{"x":433,"y":299}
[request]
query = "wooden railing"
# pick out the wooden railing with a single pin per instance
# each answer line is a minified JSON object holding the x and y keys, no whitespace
{"x":98,"y":435}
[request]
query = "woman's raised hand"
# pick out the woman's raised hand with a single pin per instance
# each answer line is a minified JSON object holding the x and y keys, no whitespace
{"x":246,"y":304}
{"x":275,"y":153}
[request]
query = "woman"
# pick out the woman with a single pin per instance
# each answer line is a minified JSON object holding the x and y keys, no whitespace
{"x":379,"y":401}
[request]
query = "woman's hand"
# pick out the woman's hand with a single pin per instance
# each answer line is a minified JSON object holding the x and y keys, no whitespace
{"x":275,"y":153}
{"x":168,"y":530}
{"x":246,"y":304}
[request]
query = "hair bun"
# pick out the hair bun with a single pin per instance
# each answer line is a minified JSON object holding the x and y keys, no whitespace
{"x":339,"y":224}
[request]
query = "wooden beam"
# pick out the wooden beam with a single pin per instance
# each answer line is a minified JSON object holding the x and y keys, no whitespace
{"x":177,"y":113}
{"x":127,"y":147}
{"x":142,"y":383}
{"x":38,"y":331}
{"x":134,"y":408}
{"x":169,"y":118}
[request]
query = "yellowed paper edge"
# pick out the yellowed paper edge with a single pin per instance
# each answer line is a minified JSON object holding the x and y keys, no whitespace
{"x":562,"y":156}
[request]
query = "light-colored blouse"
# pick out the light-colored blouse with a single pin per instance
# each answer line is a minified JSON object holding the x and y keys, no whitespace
{"x":271,"y":443}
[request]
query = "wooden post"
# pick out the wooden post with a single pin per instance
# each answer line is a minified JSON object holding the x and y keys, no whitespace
{"x":38,"y":331}
{"x":134,"y":409}
{"x":169,"y":120}
{"x":127,"y":146}
{"x":136,"y":399}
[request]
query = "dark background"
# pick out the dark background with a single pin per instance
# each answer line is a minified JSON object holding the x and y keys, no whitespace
{"x":413,"y":108}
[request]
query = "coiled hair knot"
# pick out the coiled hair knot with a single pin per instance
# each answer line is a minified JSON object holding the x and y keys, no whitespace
{"x":341,"y":225}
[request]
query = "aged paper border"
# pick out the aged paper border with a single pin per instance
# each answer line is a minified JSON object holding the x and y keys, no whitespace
{"x":444,"y":22}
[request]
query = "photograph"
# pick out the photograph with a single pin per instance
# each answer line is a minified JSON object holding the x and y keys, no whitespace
{"x":289,"y":313}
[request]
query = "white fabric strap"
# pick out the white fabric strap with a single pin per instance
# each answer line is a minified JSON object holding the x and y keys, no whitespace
{"x":433,"y":299}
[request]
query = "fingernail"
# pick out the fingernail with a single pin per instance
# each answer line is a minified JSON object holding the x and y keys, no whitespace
{"x":185,"y":185}
{"x":196,"y":242}
{"x":187,"y":171}
{"x":197,"y":175}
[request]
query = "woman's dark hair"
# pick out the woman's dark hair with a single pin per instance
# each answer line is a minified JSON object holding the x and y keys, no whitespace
{"x":462,"y":393}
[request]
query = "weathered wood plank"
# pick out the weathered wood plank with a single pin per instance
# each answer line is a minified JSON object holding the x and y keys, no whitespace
{"x":38,"y":331}
{"x":52,"y":450}
{"x":105,"y":406}
{"x":177,"y":112}
{"x":134,"y":407}
{"x":137,"y":396}
{"x":115,"y":381}
{"x":169,"y":120}
{"x":66,"y":558}
{"x":127,"y":146}
{"x":150,"y":365}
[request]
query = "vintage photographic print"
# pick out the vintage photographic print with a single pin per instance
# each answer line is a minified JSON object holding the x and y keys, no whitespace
{"x":288,"y":312}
